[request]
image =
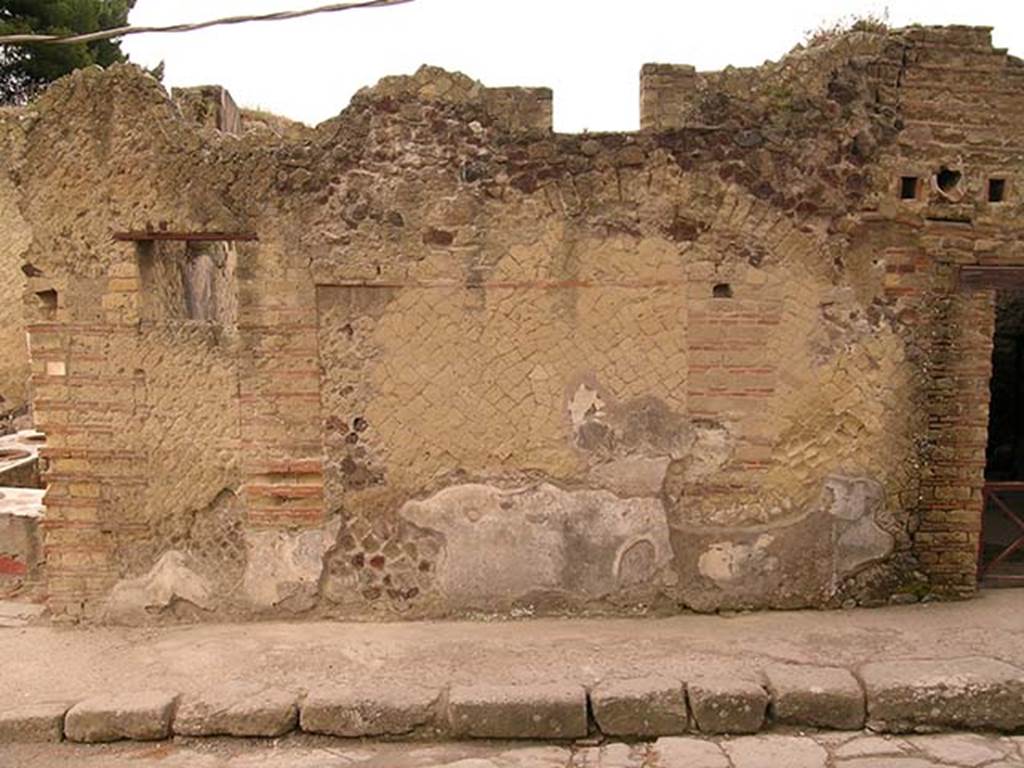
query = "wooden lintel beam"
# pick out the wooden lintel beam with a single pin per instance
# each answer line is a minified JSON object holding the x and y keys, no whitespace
{"x":185,"y":237}
{"x":982,"y":277}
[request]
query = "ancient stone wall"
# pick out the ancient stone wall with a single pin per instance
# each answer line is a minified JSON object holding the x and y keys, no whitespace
{"x":14,"y":238}
{"x":471,"y":366}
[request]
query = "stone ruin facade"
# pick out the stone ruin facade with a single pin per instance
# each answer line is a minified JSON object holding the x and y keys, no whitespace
{"x":432,"y":359}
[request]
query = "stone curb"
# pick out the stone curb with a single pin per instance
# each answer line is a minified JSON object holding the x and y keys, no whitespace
{"x":887,"y":697}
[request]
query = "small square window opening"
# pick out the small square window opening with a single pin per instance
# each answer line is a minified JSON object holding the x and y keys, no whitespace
{"x":909,"y":186}
{"x":996,"y":190}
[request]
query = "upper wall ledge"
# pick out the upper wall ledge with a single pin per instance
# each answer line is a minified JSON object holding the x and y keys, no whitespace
{"x":669,"y":93}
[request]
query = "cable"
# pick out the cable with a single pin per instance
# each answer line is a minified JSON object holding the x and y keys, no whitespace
{"x":107,"y":34}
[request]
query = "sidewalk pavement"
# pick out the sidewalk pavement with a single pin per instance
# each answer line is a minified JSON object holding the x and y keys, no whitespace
{"x":967,"y":656}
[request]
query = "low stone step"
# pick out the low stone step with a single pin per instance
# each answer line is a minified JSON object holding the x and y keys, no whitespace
{"x":141,"y":716}
{"x":896,"y":697}
{"x":969,"y":693}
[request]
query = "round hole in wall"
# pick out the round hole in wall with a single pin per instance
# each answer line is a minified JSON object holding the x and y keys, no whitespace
{"x":948,"y":179}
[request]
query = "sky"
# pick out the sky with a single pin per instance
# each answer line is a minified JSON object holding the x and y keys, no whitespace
{"x":588,"y":51}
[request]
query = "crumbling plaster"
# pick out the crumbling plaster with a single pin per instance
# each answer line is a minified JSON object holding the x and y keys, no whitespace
{"x":474,"y":366}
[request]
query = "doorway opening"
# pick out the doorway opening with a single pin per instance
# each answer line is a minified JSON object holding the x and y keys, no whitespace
{"x":1001,"y":555}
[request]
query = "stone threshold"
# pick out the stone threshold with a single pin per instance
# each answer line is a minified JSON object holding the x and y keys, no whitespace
{"x":909,"y":696}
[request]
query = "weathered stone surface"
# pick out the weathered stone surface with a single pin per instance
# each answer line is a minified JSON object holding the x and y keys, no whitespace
{"x":33,"y":723}
{"x":608,"y":756}
{"x":549,"y":711}
{"x":751,"y":276}
{"x":723,"y":704}
{"x":677,"y":752}
{"x":15,"y":614}
{"x":771,"y":751}
{"x":507,"y":545}
{"x":283,"y":567}
{"x":864,"y":746}
{"x":631,"y":475}
{"x":369,"y":711}
{"x":975,"y":692}
{"x":237,"y":709}
{"x":854,"y":503}
{"x":144,"y":716}
{"x":14,"y":355}
{"x":169,"y":580}
{"x":726,"y":562}
{"x":652,"y":706}
{"x":962,"y":749}
{"x":887,"y":762}
{"x":821,"y":697}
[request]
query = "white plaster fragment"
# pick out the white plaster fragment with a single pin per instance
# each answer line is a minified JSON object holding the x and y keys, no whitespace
{"x":505,"y":545}
{"x":168,"y":580}
{"x":285,"y":564}
{"x":858,"y":539}
{"x":585,"y":404}
{"x":726,"y":562}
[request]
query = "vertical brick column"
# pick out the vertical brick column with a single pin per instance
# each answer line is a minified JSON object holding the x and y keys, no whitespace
{"x":731,"y":378}
{"x":946,"y":541}
{"x":83,"y":409}
{"x":282,"y":447}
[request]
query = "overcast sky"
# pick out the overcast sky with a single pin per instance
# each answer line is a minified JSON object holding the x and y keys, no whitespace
{"x":588,"y":51}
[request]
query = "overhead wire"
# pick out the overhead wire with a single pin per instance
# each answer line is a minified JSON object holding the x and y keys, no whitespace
{"x":108,"y":34}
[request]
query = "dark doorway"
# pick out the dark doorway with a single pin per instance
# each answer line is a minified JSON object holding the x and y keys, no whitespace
{"x":1002,"y":541}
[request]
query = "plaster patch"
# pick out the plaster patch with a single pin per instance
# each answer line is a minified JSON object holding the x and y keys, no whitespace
{"x":855,"y":503}
{"x":585,"y":404}
{"x":631,"y":475}
{"x":727,"y":562}
{"x":285,"y":566}
{"x":168,"y":580}
{"x":710,"y":450}
{"x":507,"y":545}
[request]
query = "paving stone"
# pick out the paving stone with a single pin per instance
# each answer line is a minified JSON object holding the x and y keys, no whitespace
{"x":607,"y":756}
{"x":888,"y":762}
{"x":820,"y":697}
{"x":374,"y":711}
{"x":834,"y":739}
{"x":685,"y":752}
{"x":727,"y":704}
{"x":651,"y":706}
{"x":237,"y":709}
{"x":871,"y":745}
{"x":618,"y":756}
{"x":144,"y":716}
{"x":549,"y":711}
{"x":33,"y":723}
{"x":969,"y":693}
{"x":1018,"y":741}
{"x":962,"y":749}
{"x":771,"y":751}
{"x":534,"y":757}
